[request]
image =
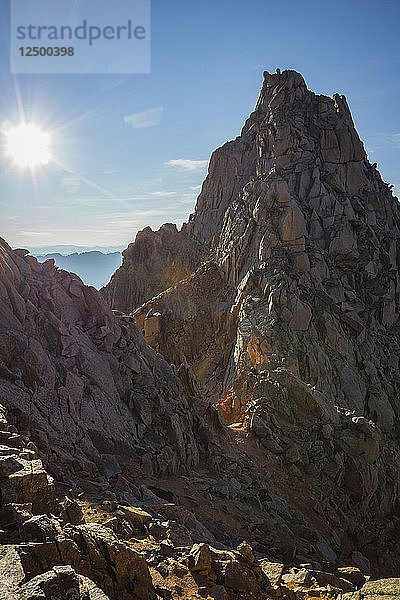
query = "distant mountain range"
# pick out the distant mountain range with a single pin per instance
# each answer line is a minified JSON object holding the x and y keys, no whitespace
{"x":94,"y":268}
{"x":65,"y":249}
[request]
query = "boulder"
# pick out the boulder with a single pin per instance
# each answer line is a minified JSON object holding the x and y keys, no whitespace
{"x":71,"y":512}
{"x":200,"y":559}
{"x":61,"y":583}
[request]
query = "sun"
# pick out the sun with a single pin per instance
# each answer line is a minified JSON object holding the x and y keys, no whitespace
{"x":27,"y":146}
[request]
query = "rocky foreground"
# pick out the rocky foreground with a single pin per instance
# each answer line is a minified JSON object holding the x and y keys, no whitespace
{"x":124,"y":514}
{"x":230,"y":429}
{"x":54,"y":547}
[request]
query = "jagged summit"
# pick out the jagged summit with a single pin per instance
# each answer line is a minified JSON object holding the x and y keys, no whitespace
{"x":285,"y":81}
{"x":154,"y":261}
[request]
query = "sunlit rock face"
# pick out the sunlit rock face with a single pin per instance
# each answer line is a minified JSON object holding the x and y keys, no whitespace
{"x":302,"y":237}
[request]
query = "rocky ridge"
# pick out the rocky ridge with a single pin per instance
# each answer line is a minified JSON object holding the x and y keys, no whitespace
{"x":93,"y":396}
{"x":104,"y":494}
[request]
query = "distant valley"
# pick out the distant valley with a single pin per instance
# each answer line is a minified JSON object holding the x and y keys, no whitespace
{"x":94,"y":267}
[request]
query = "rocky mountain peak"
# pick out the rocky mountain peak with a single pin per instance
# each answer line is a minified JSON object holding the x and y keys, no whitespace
{"x":297,"y":127}
{"x":292,"y":323}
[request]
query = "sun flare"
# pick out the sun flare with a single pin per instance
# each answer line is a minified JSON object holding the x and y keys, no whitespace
{"x":27,"y":145}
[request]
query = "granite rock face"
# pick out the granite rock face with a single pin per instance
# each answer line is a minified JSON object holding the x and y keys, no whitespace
{"x":303,"y":238}
{"x":314,"y":239}
{"x":309,"y":233}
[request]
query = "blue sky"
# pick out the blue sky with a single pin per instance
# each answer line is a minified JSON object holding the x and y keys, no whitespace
{"x":207,"y":64}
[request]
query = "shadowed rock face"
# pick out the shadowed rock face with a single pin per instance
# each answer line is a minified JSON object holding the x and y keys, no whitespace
{"x":154,"y":262}
{"x":96,"y":399}
{"x":190,"y":323}
{"x":305,"y":240}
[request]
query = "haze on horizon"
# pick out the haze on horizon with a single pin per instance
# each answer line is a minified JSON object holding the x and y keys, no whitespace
{"x":132,"y":151}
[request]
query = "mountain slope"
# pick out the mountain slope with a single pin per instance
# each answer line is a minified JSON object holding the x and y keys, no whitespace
{"x":314,"y":235}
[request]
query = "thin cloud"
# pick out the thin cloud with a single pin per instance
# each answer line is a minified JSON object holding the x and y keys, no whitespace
{"x":145,"y":118}
{"x":395,"y":138}
{"x":377,"y":142}
{"x":187,"y":164}
{"x":37,"y":233}
{"x":389,"y":139}
{"x":195,"y":187}
{"x":163,"y":193}
{"x":136,"y":214}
